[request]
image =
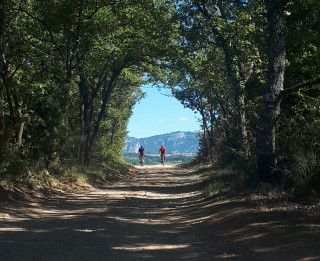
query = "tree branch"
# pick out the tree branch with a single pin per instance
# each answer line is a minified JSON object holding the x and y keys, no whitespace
{"x":40,"y":21}
{"x":301,"y":86}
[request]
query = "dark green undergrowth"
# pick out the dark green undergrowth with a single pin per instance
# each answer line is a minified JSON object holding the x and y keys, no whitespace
{"x":58,"y":178}
{"x":237,"y":181}
{"x":100,"y":173}
{"x":227,"y":182}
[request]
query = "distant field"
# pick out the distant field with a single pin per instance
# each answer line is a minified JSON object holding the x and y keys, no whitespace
{"x":152,"y":159}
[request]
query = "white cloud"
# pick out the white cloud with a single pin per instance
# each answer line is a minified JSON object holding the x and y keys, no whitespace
{"x":183,"y":119}
{"x":161,"y":121}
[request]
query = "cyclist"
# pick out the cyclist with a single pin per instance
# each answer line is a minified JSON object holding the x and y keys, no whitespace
{"x":142,"y":153}
{"x":163,"y":153}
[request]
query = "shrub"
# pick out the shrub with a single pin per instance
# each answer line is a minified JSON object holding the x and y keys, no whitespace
{"x":304,"y":170}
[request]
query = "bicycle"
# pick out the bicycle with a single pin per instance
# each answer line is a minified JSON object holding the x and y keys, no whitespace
{"x":141,"y":160}
{"x":162,"y":159}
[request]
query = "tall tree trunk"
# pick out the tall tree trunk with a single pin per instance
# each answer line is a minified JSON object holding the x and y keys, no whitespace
{"x":266,"y":142}
{"x":72,"y":44}
{"x":205,"y":132}
{"x":83,"y":113}
{"x":211,"y":134}
{"x":242,"y":126}
{"x":2,"y":120}
{"x":92,"y":138}
{"x":106,"y":93}
{"x":20,"y":134}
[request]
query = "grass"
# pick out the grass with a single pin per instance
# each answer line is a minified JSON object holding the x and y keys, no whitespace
{"x":223,"y":181}
{"x":59,"y":179}
{"x":100,"y":174}
{"x":236,"y":185}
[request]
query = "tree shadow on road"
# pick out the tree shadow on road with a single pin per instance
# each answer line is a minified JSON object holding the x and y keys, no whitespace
{"x":155,"y":214}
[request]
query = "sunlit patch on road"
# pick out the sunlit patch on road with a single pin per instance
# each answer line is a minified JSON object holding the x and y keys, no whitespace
{"x":151,"y":247}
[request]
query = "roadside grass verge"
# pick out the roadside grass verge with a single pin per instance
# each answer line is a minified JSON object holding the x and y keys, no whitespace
{"x":269,"y":203}
{"x":59,"y":179}
{"x":99,"y":174}
{"x":242,"y":185}
{"x":225,"y":182}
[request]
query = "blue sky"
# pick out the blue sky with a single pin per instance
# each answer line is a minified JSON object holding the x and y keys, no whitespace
{"x":160,"y":114}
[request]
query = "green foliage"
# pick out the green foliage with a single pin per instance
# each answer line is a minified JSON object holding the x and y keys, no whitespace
{"x":98,"y":174}
{"x":298,"y":129}
{"x":221,"y":72}
{"x":299,"y":152}
{"x":304,"y":166}
{"x":70,"y":76}
{"x":12,"y":164}
{"x":225,"y":181}
{"x":71,"y":70}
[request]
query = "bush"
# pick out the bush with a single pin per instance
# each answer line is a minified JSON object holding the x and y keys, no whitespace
{"x":227,"y":181}
{"x":304,"y":170}
{"x":12,"y":163}
{"x":298,"y":151}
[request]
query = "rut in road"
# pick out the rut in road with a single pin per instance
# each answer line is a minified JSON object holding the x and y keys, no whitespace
{"x":156,"y":213}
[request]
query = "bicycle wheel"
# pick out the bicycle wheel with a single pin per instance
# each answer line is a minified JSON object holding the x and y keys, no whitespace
{"x":141,"y":160}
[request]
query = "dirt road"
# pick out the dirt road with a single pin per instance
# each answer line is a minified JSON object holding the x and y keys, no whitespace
{"x":155,"y":214}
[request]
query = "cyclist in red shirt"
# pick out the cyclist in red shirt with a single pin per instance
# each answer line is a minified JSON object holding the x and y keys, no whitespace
{"x":163,"y":153}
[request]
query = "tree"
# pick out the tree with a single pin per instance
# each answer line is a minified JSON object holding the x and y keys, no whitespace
{"x":135,"y":40}
{"x":266,"y":136}
{"x":218,"y":16}
{"x":223,"y":35}
{"x":2,"y":121}
{"x":71,"y":68}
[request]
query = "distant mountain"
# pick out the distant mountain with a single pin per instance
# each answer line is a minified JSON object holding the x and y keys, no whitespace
{"x":175,"y":142}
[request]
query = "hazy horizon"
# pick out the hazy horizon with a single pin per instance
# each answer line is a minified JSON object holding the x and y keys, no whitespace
{"x":161,"y":134}
{"x":159,"y":113}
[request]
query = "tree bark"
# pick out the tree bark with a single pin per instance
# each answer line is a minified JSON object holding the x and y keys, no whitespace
{"x":2,"y":120}
{"x":211,"y":133}
{"x":242,"y":126}
{"x":266,"y":136}
{"x":92,"y":138}
{"x":205,"y":132}
{"x":106,"y":93}
{"x":20,"y":134}
{"x":83,"y":91}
